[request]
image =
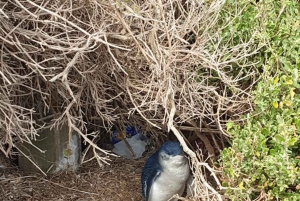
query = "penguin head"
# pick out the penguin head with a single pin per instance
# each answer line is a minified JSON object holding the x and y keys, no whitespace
{"x":171,"y":153}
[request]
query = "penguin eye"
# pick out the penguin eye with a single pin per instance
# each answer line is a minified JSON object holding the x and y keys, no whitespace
{"x":164,"y":156}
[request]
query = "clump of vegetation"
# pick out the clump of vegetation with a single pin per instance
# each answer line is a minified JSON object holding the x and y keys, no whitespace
{"x":164,"y":65}
{"x":263,"y":159}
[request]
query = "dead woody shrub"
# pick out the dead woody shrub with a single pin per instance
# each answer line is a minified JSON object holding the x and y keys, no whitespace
{"x":101,"y":63}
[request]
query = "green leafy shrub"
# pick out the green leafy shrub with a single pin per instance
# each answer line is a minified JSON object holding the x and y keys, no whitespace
{"x":263,"y":159}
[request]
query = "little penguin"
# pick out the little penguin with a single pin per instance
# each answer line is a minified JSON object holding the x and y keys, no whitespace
{"x":165,"y":173}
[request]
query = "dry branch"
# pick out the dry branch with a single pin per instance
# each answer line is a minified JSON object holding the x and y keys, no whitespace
{"x":160,"y":64}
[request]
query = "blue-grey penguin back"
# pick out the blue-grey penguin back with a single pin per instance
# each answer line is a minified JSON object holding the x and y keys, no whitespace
{"x":151,"y":170}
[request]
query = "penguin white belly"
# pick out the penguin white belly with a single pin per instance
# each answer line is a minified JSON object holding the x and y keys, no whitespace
{"x":169,"y":183}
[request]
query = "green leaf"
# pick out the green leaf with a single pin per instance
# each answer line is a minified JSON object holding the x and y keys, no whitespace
{"x":279,"y":139}
{"x":265,"y":132}
{"x":275,"y":104}
{"x":292,"y":141}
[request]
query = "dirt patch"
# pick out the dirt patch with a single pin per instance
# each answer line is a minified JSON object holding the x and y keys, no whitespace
{"x":118,"y":181}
